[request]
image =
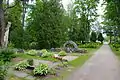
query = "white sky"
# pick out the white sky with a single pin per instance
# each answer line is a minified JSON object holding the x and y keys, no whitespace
{"x":100,"y":10}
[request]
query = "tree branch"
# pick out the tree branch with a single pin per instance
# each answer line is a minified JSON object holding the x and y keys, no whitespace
{"x":8,"y":7}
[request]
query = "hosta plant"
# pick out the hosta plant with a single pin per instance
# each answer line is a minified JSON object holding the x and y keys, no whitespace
{"x":43,"y":51}
{"x":21,"y":65}
{"x":32,"y":52}
{"x":42,"y":69}
{"x":62,"y":53}
{"x":47,"y":54}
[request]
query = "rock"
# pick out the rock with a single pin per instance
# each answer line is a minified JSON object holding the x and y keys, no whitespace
{"x":20,"y":51}
{"x":70,"y":46}
{"x":30,"y":78}
{"x":20,"y":74}
{"x":39,"y":54}
{"x":52,"y":49}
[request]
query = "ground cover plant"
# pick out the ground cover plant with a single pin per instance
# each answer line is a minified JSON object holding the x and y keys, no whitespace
{"x":116,"y":49}
{"x":89,"y":45}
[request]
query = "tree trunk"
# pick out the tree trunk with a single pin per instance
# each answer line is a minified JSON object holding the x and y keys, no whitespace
{"x":6,"y":36}
{"x":2,"y":24}
{"x":110,"y":39}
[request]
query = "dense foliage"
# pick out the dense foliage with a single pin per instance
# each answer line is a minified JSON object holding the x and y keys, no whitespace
{"x":89,"y":45}
{"x":93,"y":37}
{"x":112,"y":19}
{"x":6,"y":55}
{"x":45,"y":23}
{"x":3,"y":70}
{"x":84,"y":13}
{"x":100,"y":37}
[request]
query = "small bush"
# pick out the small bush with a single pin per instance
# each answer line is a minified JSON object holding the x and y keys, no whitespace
{"x":32,"y":52}
{"x":47,"y":54}
{"x":22,"y":65}
{"x":62,"y":53}
{"x":3,"y":70}
{"x":43,"y":51}
{"x":116,"y":45}
{"x":6,"y":54}
{"x":30,"y":62}
{"x":42,"y":69}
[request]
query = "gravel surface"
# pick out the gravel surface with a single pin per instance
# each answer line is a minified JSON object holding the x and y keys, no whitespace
{"x":103,"y":65}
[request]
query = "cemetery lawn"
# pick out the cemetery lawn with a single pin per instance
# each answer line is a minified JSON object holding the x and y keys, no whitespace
{"x":64,"y":71}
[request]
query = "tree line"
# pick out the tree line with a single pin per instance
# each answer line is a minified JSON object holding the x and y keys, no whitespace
{"x":112,"y":19}
{"x":45,"y":23}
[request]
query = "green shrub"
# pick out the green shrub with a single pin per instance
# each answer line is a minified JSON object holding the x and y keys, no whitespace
{"x":6,"y":54}
{"x":30,"y":62}
{"x":47,"y":54}
{"x":89,"y":45}
{"x":43,"y":51}
{"x":3,"y":70}
{"x":62,"y":53}
{"x":10,"y":45}
{"x":33,"y":45}
{"x":116,"y":45}
{"x":42,"y":69}
{"x":32,"y":52}
{"x":22,"y":65}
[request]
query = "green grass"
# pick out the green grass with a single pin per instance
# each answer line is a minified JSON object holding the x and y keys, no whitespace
{"x":79,"y":61}
{"x":117,"y":53}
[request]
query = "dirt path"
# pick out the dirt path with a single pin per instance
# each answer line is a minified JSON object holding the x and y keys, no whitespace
{"x":102,"y":66}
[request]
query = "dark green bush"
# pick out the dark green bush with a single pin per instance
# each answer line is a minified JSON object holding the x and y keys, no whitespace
{"x":3,"y":70}
{"x":116,"y":45}
{"x":6,"y":54}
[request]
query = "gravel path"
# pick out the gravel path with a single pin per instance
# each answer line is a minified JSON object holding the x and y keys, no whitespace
{"x":102,"y":66}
